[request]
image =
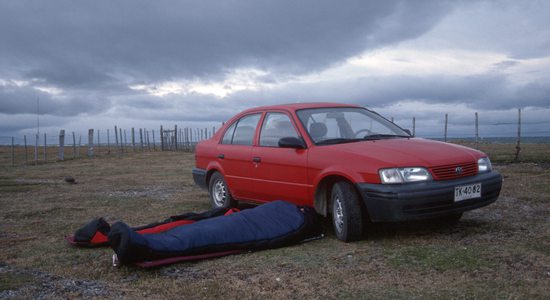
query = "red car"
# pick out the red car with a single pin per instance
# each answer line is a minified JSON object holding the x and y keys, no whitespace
{"x":345,"y":161}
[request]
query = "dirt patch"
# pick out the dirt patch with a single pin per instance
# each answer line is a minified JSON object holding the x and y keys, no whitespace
{"x":19,"y":284}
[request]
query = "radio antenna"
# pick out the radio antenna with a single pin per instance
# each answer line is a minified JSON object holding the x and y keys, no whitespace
{"x":37,"y":115}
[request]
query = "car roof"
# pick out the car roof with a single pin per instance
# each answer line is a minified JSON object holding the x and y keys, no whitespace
{"x":297,"y":106}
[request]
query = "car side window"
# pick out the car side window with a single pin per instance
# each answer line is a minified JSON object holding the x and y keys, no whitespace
{"x":243,"y":133}
{"x":275,"y":127}
{"x":228,"y":136}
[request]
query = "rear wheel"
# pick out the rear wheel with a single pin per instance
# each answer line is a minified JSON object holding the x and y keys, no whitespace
{"x":346,"y":212}
{"x":219,"y":192}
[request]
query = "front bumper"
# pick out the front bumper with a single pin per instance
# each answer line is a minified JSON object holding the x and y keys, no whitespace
{"x":199,"y":176}
{"x":424,"y":200}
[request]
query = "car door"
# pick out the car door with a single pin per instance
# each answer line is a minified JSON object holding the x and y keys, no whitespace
{"x":279,"y":173}
{"x":235,"y":155}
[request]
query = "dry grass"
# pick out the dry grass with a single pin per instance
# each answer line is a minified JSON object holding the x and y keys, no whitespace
{"x":500,"y":251}
{"x":505,"y":153}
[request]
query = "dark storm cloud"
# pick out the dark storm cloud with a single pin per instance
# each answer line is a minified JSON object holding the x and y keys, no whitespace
{"x":74,"y":44}
{"x":481,"y":91}
{"x":89,"y":53}
{"x":177,"y":108}
{"x":21,"y":100}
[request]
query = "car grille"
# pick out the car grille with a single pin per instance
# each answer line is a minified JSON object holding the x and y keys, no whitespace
{"x":448,"y":172}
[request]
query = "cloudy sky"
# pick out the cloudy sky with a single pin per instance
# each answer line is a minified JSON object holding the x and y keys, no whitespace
{"x":96,"y":64}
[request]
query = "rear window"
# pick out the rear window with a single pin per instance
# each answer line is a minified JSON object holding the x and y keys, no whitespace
{"x":242,"y":131}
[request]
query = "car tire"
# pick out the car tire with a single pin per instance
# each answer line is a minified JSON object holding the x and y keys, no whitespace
{"x":346,"y":212}
{"x":219,"y":193}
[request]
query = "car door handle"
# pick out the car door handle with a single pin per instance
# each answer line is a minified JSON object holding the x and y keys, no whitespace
{"x":256,"y":159}
{"x":221,"y":156}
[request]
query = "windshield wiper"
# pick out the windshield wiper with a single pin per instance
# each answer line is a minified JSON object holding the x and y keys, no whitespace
{"x":337,"y":141}
{"x":382,"y":136}
{"x":365,"y":138}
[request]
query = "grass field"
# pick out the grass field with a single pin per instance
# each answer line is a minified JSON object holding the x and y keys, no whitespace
{"x":499,"y":251}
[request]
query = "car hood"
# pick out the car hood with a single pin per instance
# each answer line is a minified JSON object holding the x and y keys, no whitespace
{"x":411,"y":152}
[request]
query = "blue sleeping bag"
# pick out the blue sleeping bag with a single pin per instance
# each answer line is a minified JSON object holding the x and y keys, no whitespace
{"x":270,"y":225}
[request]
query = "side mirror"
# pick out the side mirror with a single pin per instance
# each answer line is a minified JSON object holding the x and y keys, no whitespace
{"x":292,"y":142}
{"x":408,"y":131}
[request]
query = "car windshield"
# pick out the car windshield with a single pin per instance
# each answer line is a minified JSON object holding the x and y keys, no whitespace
{"x":334,"y":125}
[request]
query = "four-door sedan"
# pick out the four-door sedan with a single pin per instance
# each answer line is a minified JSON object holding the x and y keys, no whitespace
{"x":345,"y":161}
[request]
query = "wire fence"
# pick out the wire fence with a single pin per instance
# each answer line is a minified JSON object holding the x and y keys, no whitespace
{"x":476,"y":127}
{"x":511,"y":144}
{"x":52,"y":147}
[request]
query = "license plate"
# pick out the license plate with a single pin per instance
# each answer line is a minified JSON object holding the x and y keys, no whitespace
{"x":469,"y":191}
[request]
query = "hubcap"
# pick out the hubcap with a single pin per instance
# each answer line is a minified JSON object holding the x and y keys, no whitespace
{"x":338,"y":214}
{"x":219,"y":193}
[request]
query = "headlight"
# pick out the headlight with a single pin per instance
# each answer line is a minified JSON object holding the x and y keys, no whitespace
{"x":484,"y":165}
{"x":400,"y":175}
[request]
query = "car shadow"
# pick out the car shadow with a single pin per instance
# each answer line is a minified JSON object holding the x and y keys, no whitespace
{"x":381,"y":231}
{"x":464,"y":227}
{"x":431,"y":227}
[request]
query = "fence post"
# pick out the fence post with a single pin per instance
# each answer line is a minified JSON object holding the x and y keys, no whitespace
{"x":147,"y":139}
{"x":121,"y":144}
{"x":414,"y":126}
{"x":61,"y":155}
{"x":108,"y":143}
{"x":141,"y":139}
{"x":198,"y":135}
{"x":26,"y":157}
{"x":74,"y":146}
{"x":176,"y":137}
{"x":518,"y":142}
{"x":78,"y":148}
{"x":98,"y":143}
{"x":477,"y":131}
{"x":36,"y":149}
{"x":154,"y":145}
{"x":133,"y":140}
{"x":186,"y":138}
{"x":179,"y":137}
{"x":116,"y":137}
{"x":446,"y":122}
{"x":90,"y":142}
{"x":391,"y":119}
{"x":45,"y":149}
{"x":161,"y":139}
{"x":125,"y":142}
{"x":12,"y":152}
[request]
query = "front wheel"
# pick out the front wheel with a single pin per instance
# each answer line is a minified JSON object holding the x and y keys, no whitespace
{"x":346,"y":212}
{"x":219,"y":192}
